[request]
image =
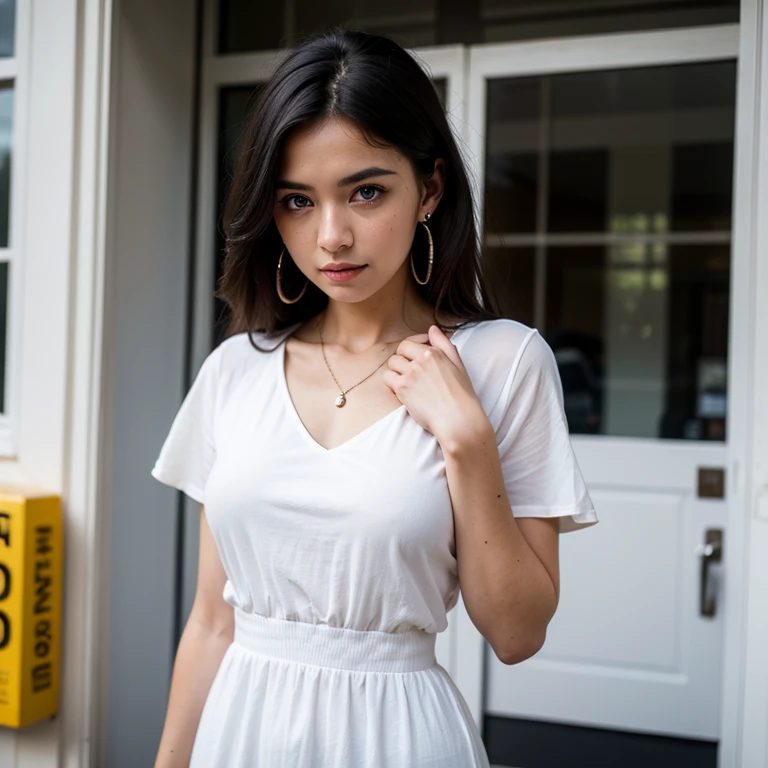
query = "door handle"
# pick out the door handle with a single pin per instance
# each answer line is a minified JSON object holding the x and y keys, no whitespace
{"x":711,"y":551}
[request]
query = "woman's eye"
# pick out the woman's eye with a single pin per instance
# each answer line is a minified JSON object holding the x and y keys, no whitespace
{"x":369,"y":194}
{"x":297,"y":201}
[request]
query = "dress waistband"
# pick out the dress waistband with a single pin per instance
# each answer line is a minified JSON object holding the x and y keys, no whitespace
{"x":326,"y":646}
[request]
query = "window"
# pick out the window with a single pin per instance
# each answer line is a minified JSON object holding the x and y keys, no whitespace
{"x":607,"y":225}
{"x":248,"y":26}
{"x":9,"y":245}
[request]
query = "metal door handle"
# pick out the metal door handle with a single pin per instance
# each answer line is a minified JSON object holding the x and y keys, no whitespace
{"x":711,"y":551}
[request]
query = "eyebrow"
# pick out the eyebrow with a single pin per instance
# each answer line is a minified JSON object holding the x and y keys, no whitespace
{"x":367,"y":173}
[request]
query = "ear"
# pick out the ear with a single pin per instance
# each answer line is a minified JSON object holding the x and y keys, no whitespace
{"x":433,"y":189}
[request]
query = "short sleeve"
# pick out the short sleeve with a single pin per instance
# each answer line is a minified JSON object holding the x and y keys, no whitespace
{"x":541,"y":474}
{"x":189,"y":450}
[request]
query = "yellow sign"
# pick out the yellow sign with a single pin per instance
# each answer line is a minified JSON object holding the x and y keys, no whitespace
{"x":30,"y":605}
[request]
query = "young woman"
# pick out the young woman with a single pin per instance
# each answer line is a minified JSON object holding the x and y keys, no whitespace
{"x":368,"y":439}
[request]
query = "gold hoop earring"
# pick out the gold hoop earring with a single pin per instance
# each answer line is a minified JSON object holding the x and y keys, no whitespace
{"x":431,"y":254}
{"x":278,"y":283}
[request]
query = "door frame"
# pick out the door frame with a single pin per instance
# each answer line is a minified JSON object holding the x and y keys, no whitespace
{"x":741,"y":41}
{"x":745,"y":669}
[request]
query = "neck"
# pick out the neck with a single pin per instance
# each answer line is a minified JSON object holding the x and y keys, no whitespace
{"x":389,"y":315}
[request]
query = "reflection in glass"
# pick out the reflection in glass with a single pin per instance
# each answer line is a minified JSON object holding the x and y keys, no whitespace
{"x":697,"y":356}
{"x":578,"y":190}
{"x":512,"y":155}
{"x":640,"y":333}
{"x":701,"y":187}
{"x":250,"y":26}
{"x":527,"y":19}
{"x":508,"y":274}
{"x":235,"y":103}
{"x":644,"y":140}
{"x":618,"y":188}
{"x":7,"y":28}
{"x":575,"y":319}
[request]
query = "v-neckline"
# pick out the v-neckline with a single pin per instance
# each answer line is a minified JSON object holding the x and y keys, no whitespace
{"x":294,"y":414}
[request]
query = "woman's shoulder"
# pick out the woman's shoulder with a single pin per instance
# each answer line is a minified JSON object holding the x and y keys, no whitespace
{"x":243,"y":351}
{"x":259,"y":341}
{"x":501,"y":352}
{"x":498,"y":339}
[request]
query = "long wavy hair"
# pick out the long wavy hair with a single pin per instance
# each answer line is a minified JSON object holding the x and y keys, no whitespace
{"x":376,"y":84}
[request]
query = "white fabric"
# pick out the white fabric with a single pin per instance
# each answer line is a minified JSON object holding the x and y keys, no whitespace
{"x":341,"y":563}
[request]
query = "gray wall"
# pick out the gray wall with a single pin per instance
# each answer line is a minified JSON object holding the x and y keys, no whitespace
{"x":149,"y":223}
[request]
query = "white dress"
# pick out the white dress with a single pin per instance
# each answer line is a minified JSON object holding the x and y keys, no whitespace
{"x":341,"y":563}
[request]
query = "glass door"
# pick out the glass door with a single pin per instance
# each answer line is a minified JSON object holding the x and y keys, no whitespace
{"x":605,"y":167}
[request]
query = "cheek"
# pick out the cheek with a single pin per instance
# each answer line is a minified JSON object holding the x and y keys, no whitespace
{"x":389,"y":239}
{"x":294,"y":230}
{"x":394,"y":228}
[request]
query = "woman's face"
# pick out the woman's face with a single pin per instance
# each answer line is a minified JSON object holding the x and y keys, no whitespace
{"x":343,"y":203}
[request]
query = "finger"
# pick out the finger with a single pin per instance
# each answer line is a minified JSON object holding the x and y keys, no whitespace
{"x":398,"y":363}
{"x":440,"y":341}
{"x":391,"y":379}
{"x":412,"y":350}
{"x":419,"y":338}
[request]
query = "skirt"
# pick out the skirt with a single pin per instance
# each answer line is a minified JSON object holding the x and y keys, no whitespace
{"x":297,"y":695}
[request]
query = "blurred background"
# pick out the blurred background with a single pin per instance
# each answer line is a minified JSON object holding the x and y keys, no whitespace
{"x":615,"y":147}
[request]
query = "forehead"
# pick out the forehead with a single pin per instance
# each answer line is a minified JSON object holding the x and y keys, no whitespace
{"x":334,"y":147}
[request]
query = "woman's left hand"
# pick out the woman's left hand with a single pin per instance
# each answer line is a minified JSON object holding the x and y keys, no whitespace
{"x":430,"y":380}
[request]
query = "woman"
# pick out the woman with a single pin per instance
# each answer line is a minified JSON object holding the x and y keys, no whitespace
{"x":381,"y":439}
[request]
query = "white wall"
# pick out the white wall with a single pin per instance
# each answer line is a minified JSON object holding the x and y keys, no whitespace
{"x":152,"y":160}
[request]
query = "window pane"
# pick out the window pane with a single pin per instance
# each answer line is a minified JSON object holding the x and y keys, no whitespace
{"x":512,"y":155}
{"x":509,"y":278}
{"x":234,"y":105}
{"x":527,"y":19}
{"x":701,"y":187}
{"x":656,"y":139}
{"x":7,"y":28}
{"x":640,"y":333}
{"x":578,"y":190}
{"x":250,"y":26}
{"x":617,"y":186}
{"x":6,"y":127}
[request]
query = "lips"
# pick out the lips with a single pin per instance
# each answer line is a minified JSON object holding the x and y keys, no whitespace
{"x":333,"y":267}
{"x":343,"y":271}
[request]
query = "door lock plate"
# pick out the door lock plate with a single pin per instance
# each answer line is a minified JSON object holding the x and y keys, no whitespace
{"x":711,"y":483}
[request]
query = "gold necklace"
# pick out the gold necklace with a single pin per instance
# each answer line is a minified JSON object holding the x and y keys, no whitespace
{"x":341,"y":399}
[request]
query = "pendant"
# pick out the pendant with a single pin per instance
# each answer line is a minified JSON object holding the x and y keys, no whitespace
{"x":341,"y":400}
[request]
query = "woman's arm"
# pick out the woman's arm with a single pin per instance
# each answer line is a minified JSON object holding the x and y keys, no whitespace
{"x":207,"y":635}
{"x":508,"y":569}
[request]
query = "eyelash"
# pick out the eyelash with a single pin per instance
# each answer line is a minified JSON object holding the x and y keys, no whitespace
{"x":287,"y":199}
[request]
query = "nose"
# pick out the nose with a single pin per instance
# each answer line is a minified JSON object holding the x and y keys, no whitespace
{"x":333,"y":230}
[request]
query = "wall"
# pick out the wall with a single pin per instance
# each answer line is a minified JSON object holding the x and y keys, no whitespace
{"x":153,"y":119}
